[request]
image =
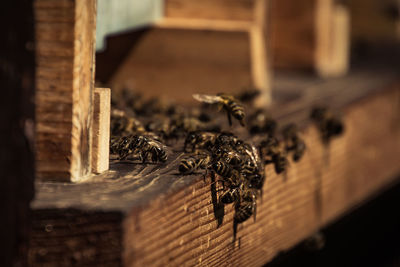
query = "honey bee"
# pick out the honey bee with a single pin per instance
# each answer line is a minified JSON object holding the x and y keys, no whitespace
{"x":199,"y":140}
{"x":293,"y":142}
{"x":123,"y":124}
{"x":223,"y":169}
{"x":228,"y":102}
{"x":261,"y":122}
{"x":328,"y":124}
{"x":246,"y":206}
{"x":271,"y":149}
{"x":140,"y":146}
{"x":191,"y":164}
{"x":231,"y":195}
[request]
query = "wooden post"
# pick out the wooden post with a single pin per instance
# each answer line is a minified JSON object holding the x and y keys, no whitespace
{"x":65,"y":41}
{"x":101,"y":130}
{"x":310,"y":34}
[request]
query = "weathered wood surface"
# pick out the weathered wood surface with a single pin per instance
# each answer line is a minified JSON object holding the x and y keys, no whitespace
{"x":169,"y":219}
{"x":65,"y":40}
{"x":17,"y":70}
{"x":311,"y":34}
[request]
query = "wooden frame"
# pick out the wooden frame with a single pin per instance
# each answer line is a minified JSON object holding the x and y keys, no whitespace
{"x":216,"y":53}
{"x":65,"y":48}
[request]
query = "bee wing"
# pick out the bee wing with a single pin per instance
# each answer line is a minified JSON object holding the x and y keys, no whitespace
{"x":253,"y":153}
{"x":210,"y":99}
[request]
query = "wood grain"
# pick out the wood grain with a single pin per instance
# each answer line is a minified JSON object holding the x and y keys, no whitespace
{"x":65,"y":32}
{"x":101,"y":129}
{"x":168,"y":219}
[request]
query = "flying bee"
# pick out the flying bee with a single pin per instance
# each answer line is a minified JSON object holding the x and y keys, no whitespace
{"x":140,"y":146}
{"x":293,"y":141}
{"x":228,"y":102}
{"x":329,"y":125}
{"x":246,"y":206}
{"x":274,"y":154}
{"x":199,"y":140}
{"x":191,"y":164}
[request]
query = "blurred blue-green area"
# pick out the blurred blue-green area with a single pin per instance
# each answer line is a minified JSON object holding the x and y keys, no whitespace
{"x":121,"y":15}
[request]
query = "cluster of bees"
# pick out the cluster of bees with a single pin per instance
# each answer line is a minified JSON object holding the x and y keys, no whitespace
{"x":144,"y":130}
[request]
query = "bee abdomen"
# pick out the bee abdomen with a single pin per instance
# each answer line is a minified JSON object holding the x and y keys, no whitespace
{"x":230,"y":196}
{"x":222,"y":169}
{"x":243,"y":212}
{"x":186,"y":166}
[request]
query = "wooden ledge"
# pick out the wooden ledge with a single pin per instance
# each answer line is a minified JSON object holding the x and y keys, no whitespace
{"x":168,"y":219}
{"x":204,"y":24}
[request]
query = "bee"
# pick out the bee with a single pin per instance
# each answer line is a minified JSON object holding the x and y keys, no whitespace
{"x":246,"y":206}
{"x":191,"y":164}
{"x":329,"y":125}
{"x":261,"y":122}
{"x":223,"y":169}
{"x":293,"y":142}
{"x":275,"y":155}
{"x":231,"y":195}
{"x":228,"y":102}
{"x":200,"y":140}
{"x":122,"y":123}
{"x":140,"y":146}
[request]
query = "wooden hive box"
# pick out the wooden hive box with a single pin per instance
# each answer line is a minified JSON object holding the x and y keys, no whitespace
{"x":117,"y":218}
{"x":204,"y":54}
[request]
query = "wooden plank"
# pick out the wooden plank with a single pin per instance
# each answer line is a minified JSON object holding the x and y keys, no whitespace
{"x":65,"y":39}
{"x":101,"y":130}
{"x":17,"y":75}
{"x":169,"y":219}
{"x":311,"y":34}
{"x":210,"y":9}
{"x":78,"y":239}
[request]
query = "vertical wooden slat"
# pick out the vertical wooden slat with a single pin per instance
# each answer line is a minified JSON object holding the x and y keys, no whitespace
{"x":101,"y":129}
{"x":65,"y":41}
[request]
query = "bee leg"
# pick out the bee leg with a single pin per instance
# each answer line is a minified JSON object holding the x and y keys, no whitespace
{"x":229,"y":118}
{"x":143,"y":157}
{"x":255,"y":211}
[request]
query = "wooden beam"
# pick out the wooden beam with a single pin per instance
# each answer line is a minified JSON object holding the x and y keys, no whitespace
{"x":168,"y":219}
{"x":311,"y":34}
{"x":17,"y":75}
{"x":195,"y":58}
{"x":241,"y":10}
{"x":65,"y":41}
{"x":101,"y":130}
